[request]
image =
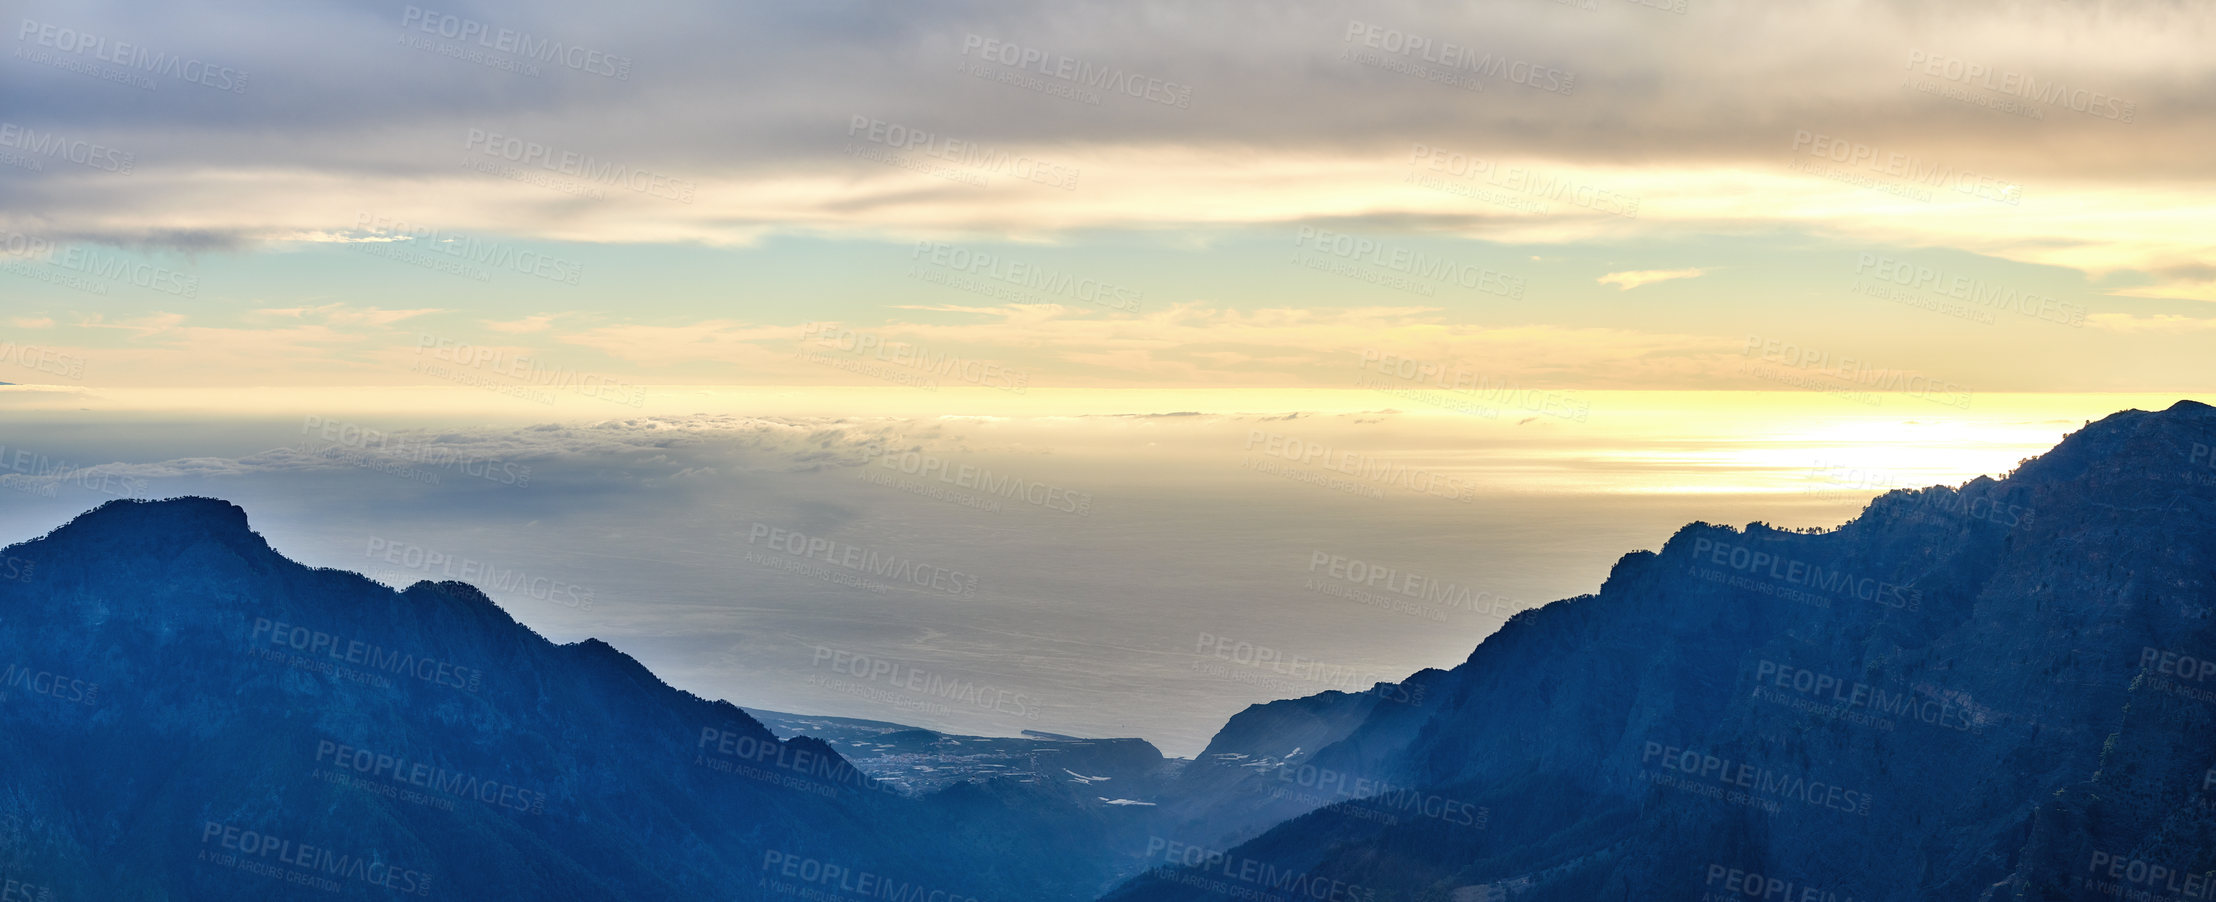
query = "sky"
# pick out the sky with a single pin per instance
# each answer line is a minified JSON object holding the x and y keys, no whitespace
{"x":1599,"y":267}
{"x":1584,"y":195}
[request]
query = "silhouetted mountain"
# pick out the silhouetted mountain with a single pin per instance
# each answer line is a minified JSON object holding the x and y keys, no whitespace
{"x":186,"y":714}
{"x":1998,"y":691}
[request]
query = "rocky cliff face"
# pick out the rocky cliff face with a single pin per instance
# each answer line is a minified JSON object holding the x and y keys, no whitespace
{"x":1997,"y":691}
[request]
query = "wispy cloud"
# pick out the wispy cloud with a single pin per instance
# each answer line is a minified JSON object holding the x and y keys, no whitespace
{"x":2156,"y":323}
{"x":343,"y":315}
{"x":526,"y":324}
{"x":1634,"y":278}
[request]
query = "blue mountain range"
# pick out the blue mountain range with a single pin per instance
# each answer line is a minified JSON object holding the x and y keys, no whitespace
{"x":2002,"y":690}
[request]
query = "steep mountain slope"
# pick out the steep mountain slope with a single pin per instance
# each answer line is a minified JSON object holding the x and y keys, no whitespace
{"x":1995,"y":691}
{"x":2000,"y":691}
{"x":188,"y":715}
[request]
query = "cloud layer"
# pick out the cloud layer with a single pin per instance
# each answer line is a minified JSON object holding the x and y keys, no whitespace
{"x":2063,"y":133}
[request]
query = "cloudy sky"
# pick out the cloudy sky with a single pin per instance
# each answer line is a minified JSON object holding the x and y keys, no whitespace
{"x":1599,"y":267}
{"x":1591,"y":194}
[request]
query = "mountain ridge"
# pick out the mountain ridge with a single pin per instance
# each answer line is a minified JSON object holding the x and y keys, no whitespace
{"x":422,"y":728}
{"x":1681,"y":648}
{"x":2002,"y":621}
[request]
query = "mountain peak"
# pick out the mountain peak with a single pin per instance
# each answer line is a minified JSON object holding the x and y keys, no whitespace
{"x":168,"y":522}
{"x":2131,"y":446}
{"x":185,"y":510}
